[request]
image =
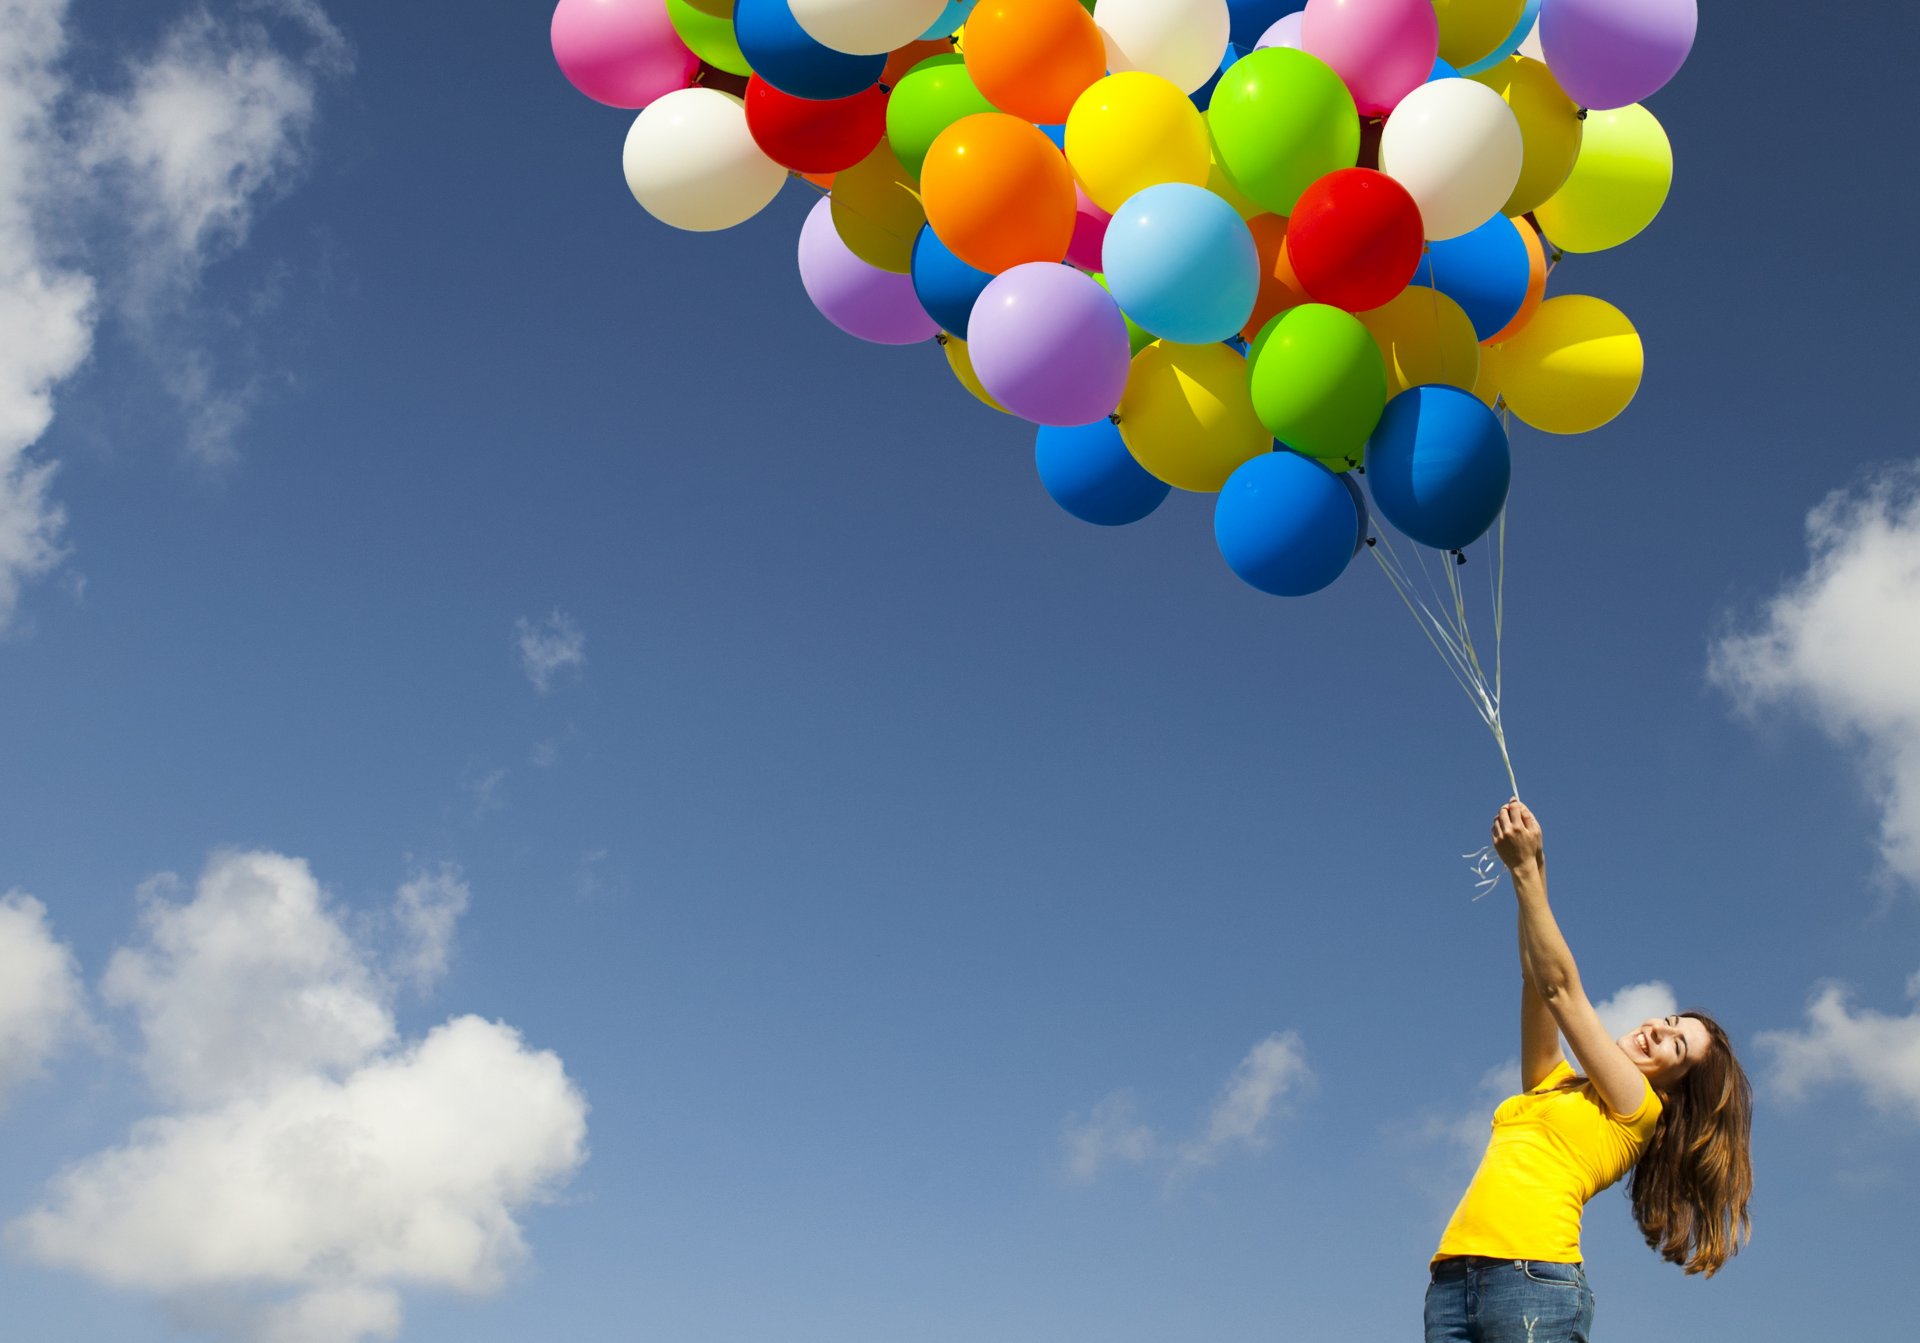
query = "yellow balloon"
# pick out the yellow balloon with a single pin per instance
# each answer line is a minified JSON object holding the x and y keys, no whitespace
{"x":1187,"y":416}
{"x":1222,"y":186}
{"x":876,"y":211}
{"x":1550,"y":128}
{"x":1618,"y":184}
{"x":1135,"y":130}
{"x":1471,"y":30}
{"x":962,"y":365}
{"x":1575,"y":366}
{"x":1424,"y":337}
{"x":1487,"y":385}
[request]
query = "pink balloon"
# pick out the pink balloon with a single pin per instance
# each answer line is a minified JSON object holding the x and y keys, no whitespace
{"x":624,"y":53}
{"x":1089,"y":231}
{"x":1382,"y":49}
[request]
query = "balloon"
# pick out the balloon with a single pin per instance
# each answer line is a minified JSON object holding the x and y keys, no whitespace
{"x":708,"y":37}
{"x":1512,"y":42}
{"x":946,"y":286}
{"x":1284,"y":33}
{"x":1487,"y":272}
{"x":782,"y":53}
{"x":1382,"y":49}
{"x":1222,"y":186}
{"x":929,"y":98}
{"x":1360,"y":513}
{"x":865,"y":27}
{"x":1049,"y":344}
{"x":1354,"y":239}
{"x":1439,"y":467}
{"x":1317,"y":382}
{"x":1186,"y":416}
{"x":713,"y":77}
{"x":1180,"y":40}
{"x":1617,"y":186}
{"x":1471,"y":29}
{"x":861,"y":300}
{"x":1424,"y":338}
{"x":1034,"y":57}
{"x":1089,"y":230}
{"x":950,"y":19}
{"x":1138,"y":337}
{"x":1549,"y":129}
{"x":1252,"y":18}
{"x":719,"y":9}
{"x":903,"y":59}
{"x":1131,"y":131}
{"x":1286,"y":524}
{"x":1575,"y":366}
{"x":1608,"y":53}
{"x":998,"y":193}
{"x":1281,"y":119}
{"x":876,"y":211}
{"x":813,"y":136}
{"x":1181,"y":263}
{"x":691,"y":162}
{"x":624,"y":53}
{"x":1536,"y":282}
{"x":1457,"y":148}
{"x":1280,"y":288}
{"x":1088,"y":471}
{"x":962,"y":365}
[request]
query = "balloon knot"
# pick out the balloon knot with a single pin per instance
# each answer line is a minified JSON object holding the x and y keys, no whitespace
{"x":1459,"y":557}
{"x":1114,"y":418}
{"x":1373,"y":540}
{"x":1580,"y":115}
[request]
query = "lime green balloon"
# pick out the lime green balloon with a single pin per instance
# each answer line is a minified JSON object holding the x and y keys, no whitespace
{"x":1618,"y":183}
{"x":1281,"y":120}
{"x":1138,"y":337}
{"x":1318,"y":383}
{"x":928,"y":99}
{"x":708,"y":36}
{"x":720,"y":9}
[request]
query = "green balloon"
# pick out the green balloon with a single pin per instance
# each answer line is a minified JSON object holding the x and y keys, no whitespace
{"x":928,"y":99}
{"x":708,"y":36}
{"x":1138,"y":337}
{"x":720,"y":9}
{"x":1281,"y":120}
{"x":1318,"y":383}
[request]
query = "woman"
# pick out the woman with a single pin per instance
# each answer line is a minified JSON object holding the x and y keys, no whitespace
{"x":1667,"y":1100}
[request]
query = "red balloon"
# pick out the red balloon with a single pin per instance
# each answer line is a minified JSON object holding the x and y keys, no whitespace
{"x":1355,"y":239}
{"x":815,"y":136}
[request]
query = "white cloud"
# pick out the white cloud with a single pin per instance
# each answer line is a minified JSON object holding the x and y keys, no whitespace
{"x":312,"y":1167}
{"x":42,"y":1002}
{"x":555,"y":645}
{"x":427,"y":908}
{"x":1111,"y":1132}
{"x":1880,"y":1054}
{"x":1841,"y":644}
{"x":1634,"y":1004}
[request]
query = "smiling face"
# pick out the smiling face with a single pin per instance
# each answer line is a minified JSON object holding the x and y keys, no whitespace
{"x":1664,"y":1048}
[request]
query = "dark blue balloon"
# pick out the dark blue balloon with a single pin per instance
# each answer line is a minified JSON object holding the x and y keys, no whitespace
{"x":1285,"y":524}
{"x":1057,"y":134}
{"x":945,"y":285}
{"x":1359,"y":510}
{"x":781,"y":52}
{"x":1485,"y":272}
{"x":1089,"y":472}
{"x":1438,"y":466}
{"x":1250,"y":19}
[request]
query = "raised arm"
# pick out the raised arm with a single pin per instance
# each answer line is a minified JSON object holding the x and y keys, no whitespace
{"x":1543,"y":950}
{"x":1539,"y":1033}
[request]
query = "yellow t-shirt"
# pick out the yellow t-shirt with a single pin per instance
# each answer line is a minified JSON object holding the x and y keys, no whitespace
{"x":1550,"y":1152}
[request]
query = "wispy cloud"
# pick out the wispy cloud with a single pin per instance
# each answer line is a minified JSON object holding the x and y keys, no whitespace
{"x":550,"y":648}
{"x":1841,"y":1045}
{"x":42,"y":1002}
{"x":1109,"y":1134}
{"x":1841,"y":645}
{"x":427,"y":909}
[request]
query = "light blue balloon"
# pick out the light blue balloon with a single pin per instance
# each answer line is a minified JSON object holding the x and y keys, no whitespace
{"x":1439,"y":466}
{"x":951,"y":18}
{"x":1511,"y":44}
{"x":1088,"y":471}
{"x":1441,"y":70}
{"x":1285,"y":524}
{"x":1181,"y":263}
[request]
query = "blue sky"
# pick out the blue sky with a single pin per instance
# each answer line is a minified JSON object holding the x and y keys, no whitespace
{"x":502,"y":690}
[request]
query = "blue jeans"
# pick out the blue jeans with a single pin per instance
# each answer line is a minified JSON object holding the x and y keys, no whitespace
{"x":1475,"y":1300}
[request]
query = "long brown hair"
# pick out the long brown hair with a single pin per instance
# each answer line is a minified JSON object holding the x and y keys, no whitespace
{"x":1691,"y":1185}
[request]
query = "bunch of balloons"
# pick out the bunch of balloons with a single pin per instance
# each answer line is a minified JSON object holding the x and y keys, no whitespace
{"x":1233,"y":246}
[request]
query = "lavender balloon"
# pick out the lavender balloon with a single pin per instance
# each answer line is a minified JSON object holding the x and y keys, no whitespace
{"x":1285,"y":32}
{"x":1049,"y":344}
{"x":860,"y":299}
{"x":1608,"y":53}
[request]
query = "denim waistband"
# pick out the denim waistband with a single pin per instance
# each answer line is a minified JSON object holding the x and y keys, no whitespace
{"x":1459,"y":1265}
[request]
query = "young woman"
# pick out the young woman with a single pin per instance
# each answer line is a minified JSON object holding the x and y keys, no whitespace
{"x":1667,"y":1101}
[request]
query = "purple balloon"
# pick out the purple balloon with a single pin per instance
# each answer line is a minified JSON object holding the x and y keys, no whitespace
{"x":861,"y":299}
{"x":1049,"y":344}
{"x":1284,"y":32}
{"x":1608,"y":53}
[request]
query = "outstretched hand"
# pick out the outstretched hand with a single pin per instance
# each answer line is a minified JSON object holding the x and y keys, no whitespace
{"x":1516,"y":836}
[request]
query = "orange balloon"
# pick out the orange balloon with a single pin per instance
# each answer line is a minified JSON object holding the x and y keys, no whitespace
{"x":1034,"y":57}
{"x":905,"y":58}
{"x":1536,"y":284}
{"x":1279,"y":286}
{"x":998,"y":192}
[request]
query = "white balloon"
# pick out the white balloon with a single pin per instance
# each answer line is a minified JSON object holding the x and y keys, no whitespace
{"x":1454,"y":145}
{"x":1182,"y":41}
{"x":865,"y":27}
{"x":1530,"y":45}
{"x":692,"y":163}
